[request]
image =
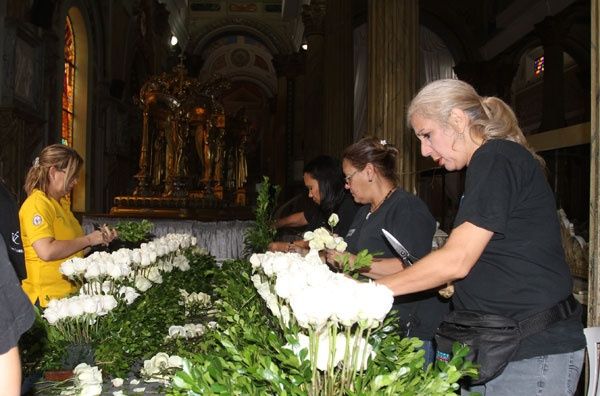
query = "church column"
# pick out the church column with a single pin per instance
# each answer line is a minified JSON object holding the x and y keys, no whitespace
{"x":393,"y":75}
{"x":288,"y":67}
{"x":338,"y":77}
{"x":551,"y":31}
{"x":313,"y":16}
{"x":594,"y":243}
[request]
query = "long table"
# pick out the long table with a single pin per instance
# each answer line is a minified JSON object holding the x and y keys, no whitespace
{"x":222,"y":239}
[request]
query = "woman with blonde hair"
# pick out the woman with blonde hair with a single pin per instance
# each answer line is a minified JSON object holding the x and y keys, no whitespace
{"x":504,"y":253}
{"x":49,"y":231}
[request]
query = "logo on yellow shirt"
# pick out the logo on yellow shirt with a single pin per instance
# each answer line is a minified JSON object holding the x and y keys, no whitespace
{"x":37,"y":220}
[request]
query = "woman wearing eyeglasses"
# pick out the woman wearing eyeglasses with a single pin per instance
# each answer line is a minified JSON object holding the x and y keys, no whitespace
{"x":324,"y":183}
{"x":49,"y":231}
{"x":369,"y":168}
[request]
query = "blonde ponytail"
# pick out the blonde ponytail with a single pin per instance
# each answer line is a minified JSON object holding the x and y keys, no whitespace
{"x":490,"y":117}
{"x":57,"y":155}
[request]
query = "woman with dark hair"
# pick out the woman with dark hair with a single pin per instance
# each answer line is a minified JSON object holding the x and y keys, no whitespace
{"x":324,"y":182}
{"x":49,"y":230}
{"x":369,"y":167}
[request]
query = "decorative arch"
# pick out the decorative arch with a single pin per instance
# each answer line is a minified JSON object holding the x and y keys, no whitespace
{"x":240,"y":58}
{"x":272,"y":40}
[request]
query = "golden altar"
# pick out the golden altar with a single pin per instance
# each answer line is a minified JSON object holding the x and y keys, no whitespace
{"x":192,"y":160}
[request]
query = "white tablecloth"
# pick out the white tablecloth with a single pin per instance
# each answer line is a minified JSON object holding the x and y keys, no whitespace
{"x":222,"y":239}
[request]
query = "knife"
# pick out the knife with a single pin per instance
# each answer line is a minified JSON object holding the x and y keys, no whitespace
{"x":407,"y":258}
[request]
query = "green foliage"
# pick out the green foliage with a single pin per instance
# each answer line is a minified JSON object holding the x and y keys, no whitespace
{"x":262,"y":232}
{"x":246,"y":354}
{"x":40,"y":346}
{"x":248,"y":357}
{"x":137,"y":332}
{"x":361,"y":261}
{"x":131,"y":334}
{"x":134,"y":231}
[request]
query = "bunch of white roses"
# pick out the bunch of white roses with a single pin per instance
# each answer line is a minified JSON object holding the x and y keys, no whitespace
{"x":160,"y":367}
{"x":337,"y":312}
{"x":321,"y":238}
{"x":87,"y":381}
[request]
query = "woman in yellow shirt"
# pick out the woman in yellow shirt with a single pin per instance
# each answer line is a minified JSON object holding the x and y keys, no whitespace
{"x":49,"y":231}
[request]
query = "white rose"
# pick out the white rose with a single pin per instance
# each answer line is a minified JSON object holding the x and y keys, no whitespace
{"x":67,"y":268}
{"x":308,"y":235}
{"x":161,"y":360}
{"x":90,"y":306}
{"x":129,"y":294}
{"x":154,"y":275}
{"x":145,"y":259}
{"x":90,"y":376}
{"x":62,"y":309}
{"x":175,"y":361}
{"x":93,"y":270}
{"x":329,"y":242}
{"x":316,"y":244}
{"x":51,"y":315}
{"x":79,"y":264}
{"x":142,"y":284}
{"x":333,"y":220}
{"x":91,"y":390}
{"x":107,"y":287}
{"x":74,"y":307}
{"x":341,"y":246}
{"x":176,"y":331}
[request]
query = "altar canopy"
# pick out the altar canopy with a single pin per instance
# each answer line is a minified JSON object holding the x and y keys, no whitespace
{"x":192,"y":153}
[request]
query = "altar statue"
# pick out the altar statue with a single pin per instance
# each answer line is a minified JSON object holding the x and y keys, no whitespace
{"x":238,"y":130}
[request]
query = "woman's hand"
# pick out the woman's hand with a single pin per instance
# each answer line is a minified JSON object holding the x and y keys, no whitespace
{"x":278,"y":246}
{"x":287,"y":247}
{"x":108,"y":234}
{"x":95,"y":238}
{"x":333,"y":258}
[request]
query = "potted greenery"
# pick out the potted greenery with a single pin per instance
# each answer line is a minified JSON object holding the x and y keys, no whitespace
{"x":131,"y":234}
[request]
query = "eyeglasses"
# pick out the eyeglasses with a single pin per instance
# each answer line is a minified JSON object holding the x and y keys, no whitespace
{"x":348,"y":178}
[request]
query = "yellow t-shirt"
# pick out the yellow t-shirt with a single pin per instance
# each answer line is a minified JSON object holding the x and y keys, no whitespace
{"x":42,"y":217}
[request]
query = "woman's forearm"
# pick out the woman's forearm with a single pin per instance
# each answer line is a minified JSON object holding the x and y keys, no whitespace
{"x":293,"y":220}
{"x":383,"y":267}
{"x":451,"y":262}
{"x":49,"y":249}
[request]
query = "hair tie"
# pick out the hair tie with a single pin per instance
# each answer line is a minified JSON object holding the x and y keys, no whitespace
{"x":36,"y":162}
{"x":485,"y":107}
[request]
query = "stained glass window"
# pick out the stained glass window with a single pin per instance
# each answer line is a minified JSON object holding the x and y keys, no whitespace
{"x":538,"y":66}
{"x":68,"y":86}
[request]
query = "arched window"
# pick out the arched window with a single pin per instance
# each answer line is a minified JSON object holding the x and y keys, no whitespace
{"x":74,"y":104}
{"x":68,"y":94}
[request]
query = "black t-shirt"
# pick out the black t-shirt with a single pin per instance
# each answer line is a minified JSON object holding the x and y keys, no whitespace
{"x":345,"y":210}
{"x":522,"y":270}
{"x":9,"y":228}
{"x":407,"y":218}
